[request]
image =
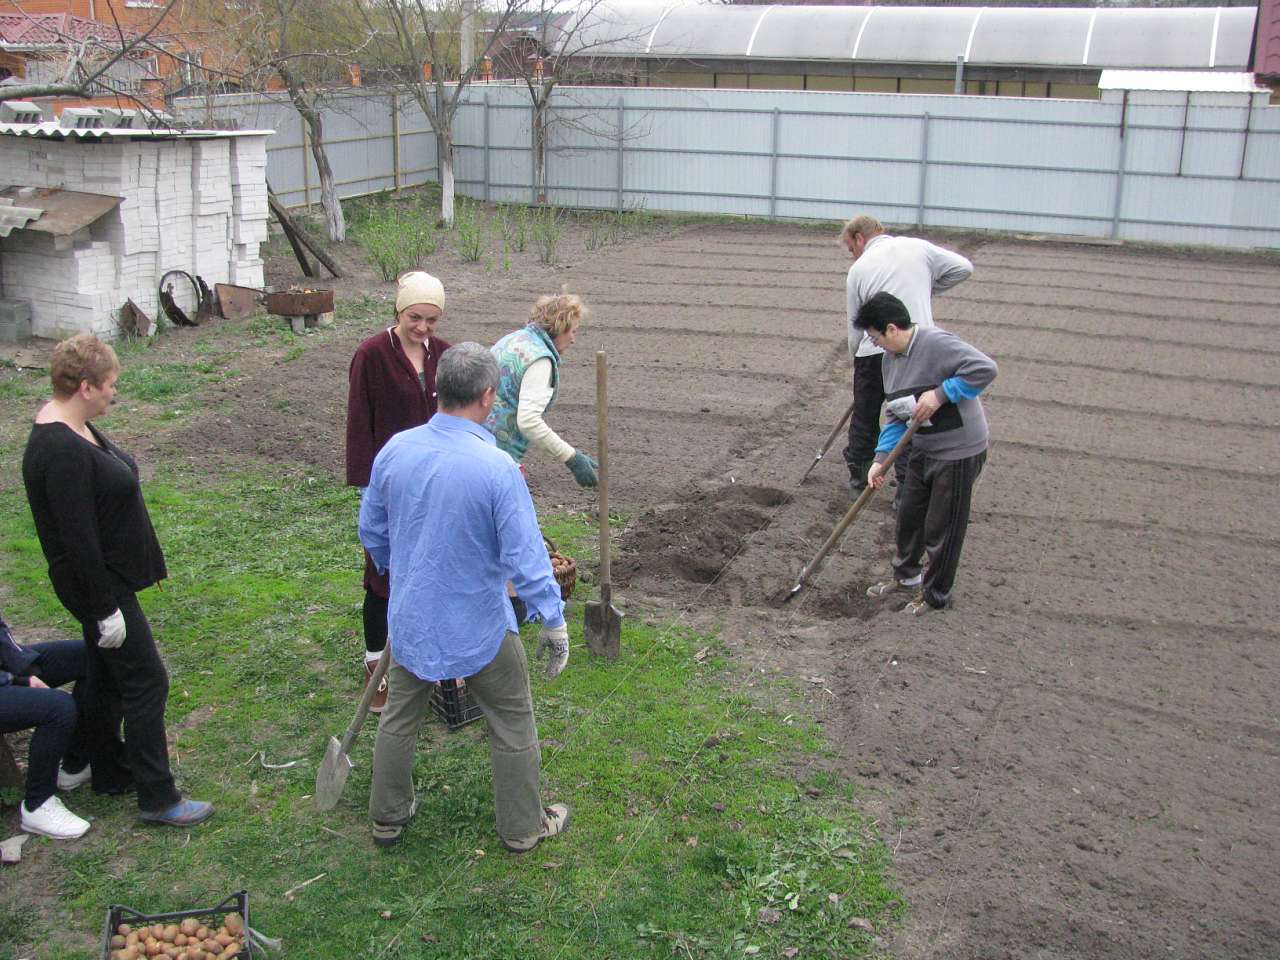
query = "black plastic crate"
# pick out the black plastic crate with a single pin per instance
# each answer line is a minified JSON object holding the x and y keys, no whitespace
{"x":236,"y":903}
{"x":452,"y":702}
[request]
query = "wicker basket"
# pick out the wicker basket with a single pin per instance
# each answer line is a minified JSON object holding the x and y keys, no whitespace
{"x":565,"y":568}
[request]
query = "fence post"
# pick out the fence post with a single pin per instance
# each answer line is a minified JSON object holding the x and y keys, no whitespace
{"x":486,"y":146}
{"x":1121,"y":163}
{"x":773,"y":165}
{"x":395,"y":141}
{"x":1244,"y":147}
{"x":924,"y":169}
{"x":621,"y":158}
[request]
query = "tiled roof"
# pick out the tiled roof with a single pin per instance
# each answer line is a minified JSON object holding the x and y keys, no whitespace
{"x":45,"y":29}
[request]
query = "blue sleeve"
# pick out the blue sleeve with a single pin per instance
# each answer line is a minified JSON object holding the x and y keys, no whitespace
{"x":957,"y":389}
{"x":528,"y":565}
{"x":375,"y":531}
{"x":890,"y":434}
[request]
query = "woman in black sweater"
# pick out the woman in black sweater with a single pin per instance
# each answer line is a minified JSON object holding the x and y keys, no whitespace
{"x":98,"y":539}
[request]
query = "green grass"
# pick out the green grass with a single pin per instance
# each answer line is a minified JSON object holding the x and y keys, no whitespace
{"x":693,"y":834}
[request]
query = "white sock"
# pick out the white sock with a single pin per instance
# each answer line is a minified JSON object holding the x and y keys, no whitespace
{"x":372,"y":656}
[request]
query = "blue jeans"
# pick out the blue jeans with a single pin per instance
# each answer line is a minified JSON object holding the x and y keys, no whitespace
{"x":56,"y":715}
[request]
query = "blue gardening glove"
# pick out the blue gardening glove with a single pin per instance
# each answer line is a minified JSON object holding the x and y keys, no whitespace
{"x":583,"y":469}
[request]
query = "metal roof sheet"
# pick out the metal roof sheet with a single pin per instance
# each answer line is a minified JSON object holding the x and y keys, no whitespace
{"x":1188,"y":81}
{"x":1206,"y":38}
{"x":57,"y":211}
{"x":50,"y":130}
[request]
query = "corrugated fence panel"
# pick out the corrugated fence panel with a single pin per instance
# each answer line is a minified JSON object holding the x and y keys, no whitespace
{"x":1195,"y":169}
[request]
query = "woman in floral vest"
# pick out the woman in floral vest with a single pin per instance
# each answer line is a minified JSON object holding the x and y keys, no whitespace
{"x":529,"y":363}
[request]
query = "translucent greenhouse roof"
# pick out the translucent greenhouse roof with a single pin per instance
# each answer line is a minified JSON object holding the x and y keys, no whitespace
{"x":1201,"y":38}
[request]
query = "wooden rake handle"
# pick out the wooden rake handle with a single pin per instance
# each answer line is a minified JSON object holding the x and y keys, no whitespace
{"x":857,"y":506}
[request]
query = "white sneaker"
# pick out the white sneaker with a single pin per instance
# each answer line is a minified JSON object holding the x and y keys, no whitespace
{"x":52,"y":819}
{"x":69,"y":781}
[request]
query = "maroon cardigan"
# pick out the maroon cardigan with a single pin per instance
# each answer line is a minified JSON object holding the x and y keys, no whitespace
{"x":384,"y":398}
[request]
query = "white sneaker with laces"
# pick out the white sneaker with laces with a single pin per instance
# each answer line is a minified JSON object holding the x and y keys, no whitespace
{"x":52,"y":819}
{"x":69,"y":781}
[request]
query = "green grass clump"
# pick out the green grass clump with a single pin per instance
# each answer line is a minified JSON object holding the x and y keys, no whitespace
{"x":396,"y":236}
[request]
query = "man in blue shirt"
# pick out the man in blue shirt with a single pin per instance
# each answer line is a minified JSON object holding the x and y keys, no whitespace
{"x":450,"y":516}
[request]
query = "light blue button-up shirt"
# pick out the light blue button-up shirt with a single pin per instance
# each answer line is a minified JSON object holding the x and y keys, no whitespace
{"x":451,"y":516}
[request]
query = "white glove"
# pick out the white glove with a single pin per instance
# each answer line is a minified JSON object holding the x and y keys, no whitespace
{"x":111,"y":631}
{"x":554,"y":643}
{"x":904,"y":408}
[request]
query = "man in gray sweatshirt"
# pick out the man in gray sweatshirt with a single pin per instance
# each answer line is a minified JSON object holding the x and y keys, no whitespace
{"x":934,"y":377}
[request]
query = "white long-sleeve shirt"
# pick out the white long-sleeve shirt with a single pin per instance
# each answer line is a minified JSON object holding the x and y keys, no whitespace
{"x":535,"y":395}
{"x":909,"y":268}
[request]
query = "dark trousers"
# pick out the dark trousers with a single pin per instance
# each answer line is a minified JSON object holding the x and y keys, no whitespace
{"x":55,"y":714}
{"x":864,"y":424}
{"x":375,"y":622}
{"x":932,"y":518}
{"x":129,"y":686}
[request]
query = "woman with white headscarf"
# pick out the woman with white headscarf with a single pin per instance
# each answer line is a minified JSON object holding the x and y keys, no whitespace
{"x":392,"y":388}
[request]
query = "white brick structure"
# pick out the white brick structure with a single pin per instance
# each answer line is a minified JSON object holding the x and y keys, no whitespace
{"x":192,"y":201}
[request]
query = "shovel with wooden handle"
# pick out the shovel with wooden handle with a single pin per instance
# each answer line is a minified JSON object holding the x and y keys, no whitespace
{"x":830,"y":440}
{"x":851,"y":513}
{"x":602,"y":621}
{"x":336,"y":765}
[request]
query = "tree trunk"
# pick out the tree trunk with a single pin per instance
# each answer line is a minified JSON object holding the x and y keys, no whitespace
{"x":444,"y":150}
{"x":329,"y":202}
{"x":540,"y":149}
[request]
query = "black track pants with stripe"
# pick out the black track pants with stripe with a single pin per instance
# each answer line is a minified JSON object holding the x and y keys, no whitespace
{"x":932,"y":518}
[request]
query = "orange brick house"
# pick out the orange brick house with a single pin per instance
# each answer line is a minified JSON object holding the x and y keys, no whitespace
{"x":183,"y":52}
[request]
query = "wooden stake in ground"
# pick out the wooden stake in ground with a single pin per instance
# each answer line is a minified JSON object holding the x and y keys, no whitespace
{"x":601,"y":620}
{"x":297,"y":236}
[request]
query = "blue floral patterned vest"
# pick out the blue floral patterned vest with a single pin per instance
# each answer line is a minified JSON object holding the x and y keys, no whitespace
{"x":514,"y":353}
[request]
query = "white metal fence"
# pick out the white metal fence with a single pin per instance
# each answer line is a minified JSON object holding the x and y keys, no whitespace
{"x":1193,"y":171}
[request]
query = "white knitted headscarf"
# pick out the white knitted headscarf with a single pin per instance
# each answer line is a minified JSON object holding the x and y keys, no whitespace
{"x":418,"y":286}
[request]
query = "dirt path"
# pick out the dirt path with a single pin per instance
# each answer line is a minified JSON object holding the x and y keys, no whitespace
{"x":1079,"y":760}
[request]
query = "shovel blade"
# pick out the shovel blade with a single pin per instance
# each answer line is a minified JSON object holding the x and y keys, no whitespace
{"x":602,"y":628}
{"x":332,"y":777}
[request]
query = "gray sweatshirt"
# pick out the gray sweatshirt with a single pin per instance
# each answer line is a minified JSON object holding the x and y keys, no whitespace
{"x":936,"y":358}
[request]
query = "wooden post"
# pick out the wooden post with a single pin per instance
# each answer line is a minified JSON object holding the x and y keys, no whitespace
{"x":395,"y":140}
{"x":306,"y":166}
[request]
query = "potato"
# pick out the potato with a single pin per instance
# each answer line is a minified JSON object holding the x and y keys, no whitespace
{"x":124,"y":929}
{"x":234,"y":923}
{"x":223,"y":939}
{"x":212,"y":946}
{"x":202,"y":932}
{"x":117,"y":942}
{"x":157,"y":931}
{"x":189,"y":926}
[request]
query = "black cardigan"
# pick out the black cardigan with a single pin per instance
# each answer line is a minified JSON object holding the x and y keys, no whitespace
{"x":91,"y":520}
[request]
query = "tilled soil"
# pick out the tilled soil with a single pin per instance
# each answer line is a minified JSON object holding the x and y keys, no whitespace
{"x":1080,"y":759}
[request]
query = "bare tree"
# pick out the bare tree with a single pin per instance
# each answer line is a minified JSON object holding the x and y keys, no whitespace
{"x":560,"y":44}
{"x":415,"y":33}
{"x":306,"y":45}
